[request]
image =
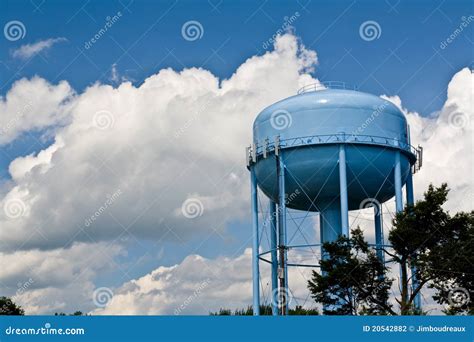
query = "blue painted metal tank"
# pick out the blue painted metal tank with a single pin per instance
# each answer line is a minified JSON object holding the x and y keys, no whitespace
{"x":330,"y":151}
{"x":310,"y":127}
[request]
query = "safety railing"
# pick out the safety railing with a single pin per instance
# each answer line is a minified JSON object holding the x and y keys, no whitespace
{"x":326,"y":85}
{"x":267,"y":146}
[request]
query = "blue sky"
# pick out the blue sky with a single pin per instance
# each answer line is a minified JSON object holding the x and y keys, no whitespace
{"x":406,"y":59}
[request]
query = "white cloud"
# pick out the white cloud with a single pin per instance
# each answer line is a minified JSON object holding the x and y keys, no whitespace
{"x":29,"y":50}
{"x":198,"y":286}
{"x":53,"y":281}
{"x":33,"y":105}
{"x":447,"y":138}
{"x":178,"y":135}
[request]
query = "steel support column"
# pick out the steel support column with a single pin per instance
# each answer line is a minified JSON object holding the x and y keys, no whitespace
{"x":255,"y":251}
{"x":274,"y":256}
{"x":379,"y":240}
{"x":282,"y":270}
{"x":398,"y":182}
{"x":343,"y":190}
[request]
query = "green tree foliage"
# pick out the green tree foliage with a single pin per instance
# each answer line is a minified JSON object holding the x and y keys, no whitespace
{"x":353,"y":279}
{"x":8,"y":307}
{"x":439,"y":246}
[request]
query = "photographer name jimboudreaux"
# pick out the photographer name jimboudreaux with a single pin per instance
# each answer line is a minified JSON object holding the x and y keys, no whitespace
{"x":445,"y":328}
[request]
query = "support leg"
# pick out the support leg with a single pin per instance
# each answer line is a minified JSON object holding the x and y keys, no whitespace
{"x":379,"y":241}
{"x":282,"y":270}
{"x":343,"y":190}
{"x":398,"y":183}
{"x":274,"y":256}
{"x":255,"y":251}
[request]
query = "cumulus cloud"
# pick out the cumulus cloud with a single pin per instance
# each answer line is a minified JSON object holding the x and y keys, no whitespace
{"x":58,"y":280}
{"x":447,"y":141}
{"x":198,"y":286}
{"x":29,"y":50}
{"x":33,"y":105}
{"x":178,"y":136}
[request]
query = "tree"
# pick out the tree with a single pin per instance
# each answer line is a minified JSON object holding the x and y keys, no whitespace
{"x":7,"y":307}
{"x":352,"y":280}
{"x":440,"y":247}
{"x":450,"y":264}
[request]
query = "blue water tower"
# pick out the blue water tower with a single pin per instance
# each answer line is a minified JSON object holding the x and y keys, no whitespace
{"x":328,"y":149}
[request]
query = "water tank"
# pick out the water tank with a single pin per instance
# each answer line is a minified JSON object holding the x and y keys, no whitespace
{"x":310,"y":127}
